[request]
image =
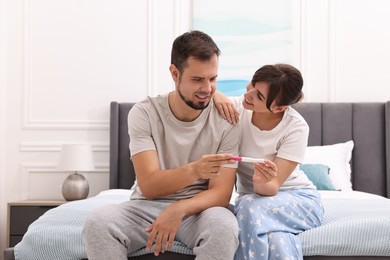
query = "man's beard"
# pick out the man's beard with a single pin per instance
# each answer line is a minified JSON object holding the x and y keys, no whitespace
{"x":199,"y":106}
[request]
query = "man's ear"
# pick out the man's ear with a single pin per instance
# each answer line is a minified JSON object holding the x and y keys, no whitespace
{"x":174,"y":72}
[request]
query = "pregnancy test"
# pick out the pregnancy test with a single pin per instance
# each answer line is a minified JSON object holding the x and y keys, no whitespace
{"x":247,"y":159}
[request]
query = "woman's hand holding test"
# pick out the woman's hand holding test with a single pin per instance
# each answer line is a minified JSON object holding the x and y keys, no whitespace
{"x":264,"y":172}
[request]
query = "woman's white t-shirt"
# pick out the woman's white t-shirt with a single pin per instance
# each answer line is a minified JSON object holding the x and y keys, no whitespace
{"x":288,"y":140}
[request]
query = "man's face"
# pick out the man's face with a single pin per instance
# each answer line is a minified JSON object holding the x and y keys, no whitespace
{"x":197,"y":84}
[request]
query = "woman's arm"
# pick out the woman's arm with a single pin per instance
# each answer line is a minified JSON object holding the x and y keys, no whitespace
{"x":225,"y":107}
{"x":269,"y":176}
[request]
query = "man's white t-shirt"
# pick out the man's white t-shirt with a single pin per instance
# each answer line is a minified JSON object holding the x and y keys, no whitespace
{"x":152,"y":126}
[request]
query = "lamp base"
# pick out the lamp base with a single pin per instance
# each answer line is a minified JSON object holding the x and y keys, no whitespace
{"x":75,"y":187}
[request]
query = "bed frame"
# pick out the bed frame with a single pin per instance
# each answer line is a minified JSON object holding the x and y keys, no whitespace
{"x":367,"y":124}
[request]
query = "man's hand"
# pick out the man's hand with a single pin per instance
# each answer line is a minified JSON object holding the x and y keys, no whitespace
{"x":209,"y":166}
{"x":164,"y":229}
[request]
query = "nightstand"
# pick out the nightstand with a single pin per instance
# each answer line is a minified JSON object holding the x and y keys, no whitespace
{"x":21,"y":214}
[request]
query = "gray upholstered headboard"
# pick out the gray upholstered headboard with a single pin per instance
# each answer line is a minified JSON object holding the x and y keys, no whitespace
{"x":367,"y":124}
{"x":122,"y":174}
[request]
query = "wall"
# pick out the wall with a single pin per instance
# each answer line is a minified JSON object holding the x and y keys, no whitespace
{"x":3,"y":105}
{"x":343,"y":50}
{"x":62,"y":62}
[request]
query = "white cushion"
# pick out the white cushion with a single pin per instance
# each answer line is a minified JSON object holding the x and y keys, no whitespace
{"x":337,"y":157}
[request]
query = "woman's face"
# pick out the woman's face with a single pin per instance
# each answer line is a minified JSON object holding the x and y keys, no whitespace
{"x":255,"y":97}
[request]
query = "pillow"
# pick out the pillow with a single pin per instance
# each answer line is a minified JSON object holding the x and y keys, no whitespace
{"x":337,"y":158}
{"x":318,"y":174}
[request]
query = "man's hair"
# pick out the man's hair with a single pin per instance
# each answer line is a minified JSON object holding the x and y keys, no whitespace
{"x":285,"y":84}
{"x":194,"y":44}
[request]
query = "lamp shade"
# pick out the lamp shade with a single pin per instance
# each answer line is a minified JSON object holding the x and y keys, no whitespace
{"x":76,"y":158}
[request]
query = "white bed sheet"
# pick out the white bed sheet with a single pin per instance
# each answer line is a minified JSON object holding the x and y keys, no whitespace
{"x":353,"y":195}
{"x":355,"y":223}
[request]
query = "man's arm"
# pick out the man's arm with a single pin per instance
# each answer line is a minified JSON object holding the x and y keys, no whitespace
{"x":157,"y":183}
{"x":218,"y":194}
{"x":163,"y":230}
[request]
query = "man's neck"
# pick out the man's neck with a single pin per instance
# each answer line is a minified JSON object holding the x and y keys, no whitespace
{"x":180,"y":109}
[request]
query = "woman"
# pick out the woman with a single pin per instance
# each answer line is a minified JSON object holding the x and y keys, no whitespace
{"x":276,"y":200}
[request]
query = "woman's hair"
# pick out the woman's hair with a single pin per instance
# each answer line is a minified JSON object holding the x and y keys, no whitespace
{"x":285,"y":84}
{"x":194,"y":44}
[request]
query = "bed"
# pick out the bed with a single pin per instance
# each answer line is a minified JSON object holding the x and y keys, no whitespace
{"x":356,"y":224}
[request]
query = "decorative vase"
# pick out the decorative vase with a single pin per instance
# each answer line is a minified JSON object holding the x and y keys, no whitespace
{"x":75,"y":187}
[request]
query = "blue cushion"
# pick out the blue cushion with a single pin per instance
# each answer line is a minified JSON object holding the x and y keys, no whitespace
{"x":319,"y":175}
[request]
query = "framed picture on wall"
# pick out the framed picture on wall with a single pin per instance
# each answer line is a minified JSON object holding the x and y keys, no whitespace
{"x":250,"y":34}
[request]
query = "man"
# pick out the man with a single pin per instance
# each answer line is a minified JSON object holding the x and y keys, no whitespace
{"x":181,"y":149}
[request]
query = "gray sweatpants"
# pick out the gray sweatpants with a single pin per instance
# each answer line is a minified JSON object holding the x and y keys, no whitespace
{"x":114,"y":231}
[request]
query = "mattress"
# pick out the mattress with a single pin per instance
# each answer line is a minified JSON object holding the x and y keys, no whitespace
{"x":354,"y":223}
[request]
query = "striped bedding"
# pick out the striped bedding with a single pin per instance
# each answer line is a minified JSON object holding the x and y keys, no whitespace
{"x":57,"y":233}
{"x":355,"y":223}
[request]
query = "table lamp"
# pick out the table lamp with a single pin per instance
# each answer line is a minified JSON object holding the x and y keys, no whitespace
{"x":75,"y":158}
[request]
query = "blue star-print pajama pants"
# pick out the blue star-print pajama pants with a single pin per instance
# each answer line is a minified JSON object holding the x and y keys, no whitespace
{"x":269,"y":224}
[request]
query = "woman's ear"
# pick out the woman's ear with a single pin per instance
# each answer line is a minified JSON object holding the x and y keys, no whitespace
{"x":279,"y":109}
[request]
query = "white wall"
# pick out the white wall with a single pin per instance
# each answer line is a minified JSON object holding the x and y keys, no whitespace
{"x":62,"y":62}
{"x":3,"y":125}
{"x":344,"y":50}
